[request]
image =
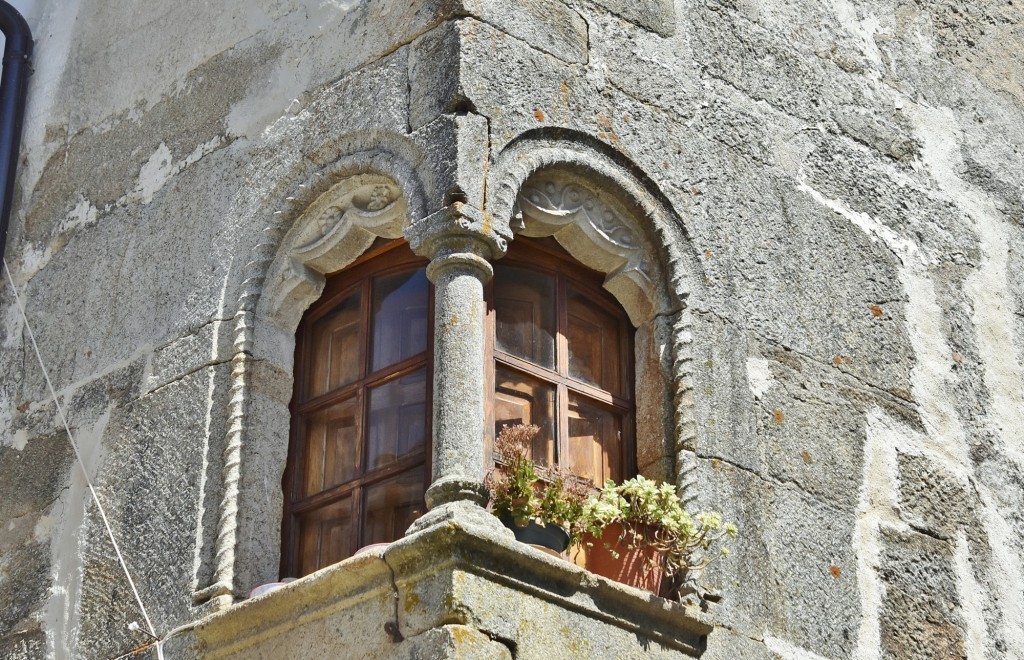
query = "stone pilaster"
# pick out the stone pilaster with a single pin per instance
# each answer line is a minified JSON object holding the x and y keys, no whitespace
{"x":459,"y":240}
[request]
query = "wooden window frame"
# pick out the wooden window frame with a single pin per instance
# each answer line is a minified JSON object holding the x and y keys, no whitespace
{"x":389,"y":257}
{"x":382,"y":259}
{"x":546,"y":256}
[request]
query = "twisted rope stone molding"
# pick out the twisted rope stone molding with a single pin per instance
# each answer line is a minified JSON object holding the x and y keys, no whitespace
{"x":609,"y":217}
{"x":355,"y":178}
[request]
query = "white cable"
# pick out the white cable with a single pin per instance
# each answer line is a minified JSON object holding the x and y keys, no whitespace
{"x":78,"y":456}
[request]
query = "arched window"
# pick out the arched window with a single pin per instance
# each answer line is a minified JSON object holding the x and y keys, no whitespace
{"x":560,"y":350}
{"x":562,"y":359}
{"x":360,"y":437}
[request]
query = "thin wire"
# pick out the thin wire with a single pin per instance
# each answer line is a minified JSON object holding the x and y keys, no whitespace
{"x":78,"y":456}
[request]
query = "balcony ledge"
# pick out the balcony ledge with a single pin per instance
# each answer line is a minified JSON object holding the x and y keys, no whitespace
{"x":456,"y":589}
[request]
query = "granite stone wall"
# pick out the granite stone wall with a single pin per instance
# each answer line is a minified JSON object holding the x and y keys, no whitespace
{"x":835,"y":195}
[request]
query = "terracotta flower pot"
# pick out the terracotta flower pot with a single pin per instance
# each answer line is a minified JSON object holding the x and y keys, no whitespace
{"x":638,"y":567}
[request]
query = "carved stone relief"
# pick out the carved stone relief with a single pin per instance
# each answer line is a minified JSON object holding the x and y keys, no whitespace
{"x":336,"y":228}
{"x":595,"y":232}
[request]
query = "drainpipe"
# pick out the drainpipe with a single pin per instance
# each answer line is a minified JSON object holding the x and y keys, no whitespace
{"x":13,"y":84}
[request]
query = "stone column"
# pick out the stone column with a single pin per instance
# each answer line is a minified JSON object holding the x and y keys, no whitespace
{"x":459,"y":241}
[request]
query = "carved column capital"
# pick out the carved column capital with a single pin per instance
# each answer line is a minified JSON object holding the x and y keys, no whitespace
{"x":459,"y":235}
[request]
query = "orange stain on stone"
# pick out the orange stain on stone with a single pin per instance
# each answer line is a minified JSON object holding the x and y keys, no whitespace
{"x":835,"y":571}
{"x":778,"y":416}
{"x":538,"y":114}
{"x":876,"y":310}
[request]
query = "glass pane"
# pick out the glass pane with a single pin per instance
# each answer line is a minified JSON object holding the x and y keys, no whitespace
{"x":524,"y":308}
{"x":325,"y":536}
{"x":399,"y":317}
{"x":398,"y":416}
{"x":595,"y":441}
{"x":392,"y":505}
{"x":520,"y":399}
{"x":594,"y":343}
{"x":334,"y":353}
{"x":332,"y":436}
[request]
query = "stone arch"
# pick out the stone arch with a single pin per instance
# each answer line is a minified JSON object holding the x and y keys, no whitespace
{"x":330,"y":234}
{"x":592,"y":229}
{"x":324,"y":214}
{"x":608,"y":216}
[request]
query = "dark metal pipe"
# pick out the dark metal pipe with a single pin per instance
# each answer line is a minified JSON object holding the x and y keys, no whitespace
{"x":17,"y":65}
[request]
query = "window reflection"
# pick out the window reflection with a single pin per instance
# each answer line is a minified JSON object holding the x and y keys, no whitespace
{"x":594,"y":343}
{"x":524,"y":305}
{"x":595,"y":441}
{"x":334,"y":356}
{"x":392,"y":505}
{"x":399,"y":317}
{"x":325,"y":536}
{"x":398,"y":416}
{"x":519,"y":399}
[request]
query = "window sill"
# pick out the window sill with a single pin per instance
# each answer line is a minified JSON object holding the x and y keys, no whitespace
{"x":452,"y":576}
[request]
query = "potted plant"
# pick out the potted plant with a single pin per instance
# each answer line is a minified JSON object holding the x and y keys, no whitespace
{"x":541,"y":505}
{"x":640,"y":534}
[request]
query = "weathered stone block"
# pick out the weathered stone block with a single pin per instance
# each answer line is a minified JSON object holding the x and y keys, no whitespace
{"x":792,"y":571}
{"x":27,"y":645}
{"x":655,"y":15}
{"x":159,"y":477}
{"x":457,"y":642}
{"x":919,"y":617}
{"x":933,"y":499}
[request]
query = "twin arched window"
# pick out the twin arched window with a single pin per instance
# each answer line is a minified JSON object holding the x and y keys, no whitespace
{"x":559,"y":356}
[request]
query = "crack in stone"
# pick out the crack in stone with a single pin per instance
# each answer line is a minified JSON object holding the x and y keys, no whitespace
{"x":40,"y":510}
{"x":193,"y":330}
{"x":866,"y":386}
{"x":210,"y":363}
{"x":921,"y":529}
{"x":785,"y":483}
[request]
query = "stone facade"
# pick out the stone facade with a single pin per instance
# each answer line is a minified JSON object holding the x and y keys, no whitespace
{"x":813,"y":213}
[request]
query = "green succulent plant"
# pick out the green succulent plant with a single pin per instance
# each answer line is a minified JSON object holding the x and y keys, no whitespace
{"x":523,"y":491}
{"x":652,"y":515}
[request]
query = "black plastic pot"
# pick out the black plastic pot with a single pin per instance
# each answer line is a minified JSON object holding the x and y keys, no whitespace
{"x":549,"y":536}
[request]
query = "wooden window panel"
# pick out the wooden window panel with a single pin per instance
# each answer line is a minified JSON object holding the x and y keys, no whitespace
{"x":325,"y":536}
{"x":332,"y":448}
{"x":595,"y":441}
{"x":525,"y":324}
{"x":590,"y":376}
{"x":392,"y":505}
{"x":361,"y":411}
{"x":521,"y":399}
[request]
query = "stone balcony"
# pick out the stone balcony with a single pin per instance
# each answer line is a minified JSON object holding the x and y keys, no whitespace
{"x":452,"y":590}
